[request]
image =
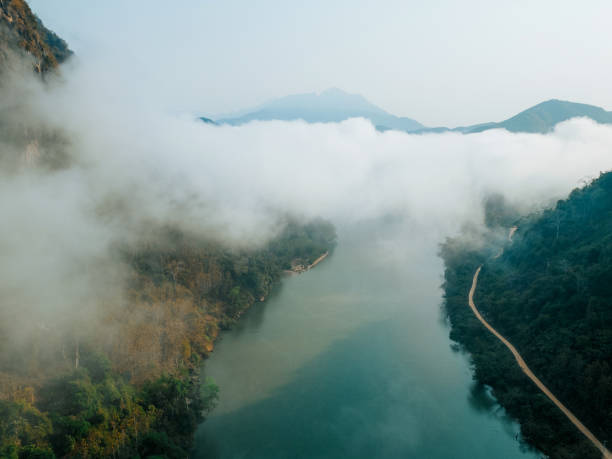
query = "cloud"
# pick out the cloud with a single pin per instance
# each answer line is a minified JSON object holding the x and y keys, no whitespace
{"x":130,"y":165}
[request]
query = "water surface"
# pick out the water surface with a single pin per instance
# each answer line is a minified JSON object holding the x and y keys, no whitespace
{"x":352,"y":359}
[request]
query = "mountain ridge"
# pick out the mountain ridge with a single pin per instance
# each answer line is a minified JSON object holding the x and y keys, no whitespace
{"x":331,"y":105}
{"x":540,"y":118}
{"x":335,"y":105}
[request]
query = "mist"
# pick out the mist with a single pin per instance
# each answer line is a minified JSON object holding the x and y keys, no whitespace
{"x":109,"y":164}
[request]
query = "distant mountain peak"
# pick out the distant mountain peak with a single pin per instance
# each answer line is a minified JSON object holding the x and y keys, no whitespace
{"x":544,"y":116}
{"x":541,"y":118}
{"x":330,"y":105}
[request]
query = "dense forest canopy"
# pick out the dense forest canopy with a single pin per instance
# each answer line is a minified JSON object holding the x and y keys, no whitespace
{"x":550,"y":294}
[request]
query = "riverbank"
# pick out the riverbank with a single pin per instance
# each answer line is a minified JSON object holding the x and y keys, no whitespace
{"x":525,"y":369}
{"x":181,"y":289}
{"x":548,"y":294}
{"x":542,"y":424}
{"x":299,"y":268}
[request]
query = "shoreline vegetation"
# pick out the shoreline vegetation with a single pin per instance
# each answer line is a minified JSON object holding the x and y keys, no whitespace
{"x":549,"y":293}
{"x":525,"y":368}
{"x":129,"y":386}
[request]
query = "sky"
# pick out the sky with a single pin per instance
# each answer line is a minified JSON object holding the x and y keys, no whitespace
{"x":440,"y":62}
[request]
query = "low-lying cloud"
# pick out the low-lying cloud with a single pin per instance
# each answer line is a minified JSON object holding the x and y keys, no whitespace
{"x":131,"y":165}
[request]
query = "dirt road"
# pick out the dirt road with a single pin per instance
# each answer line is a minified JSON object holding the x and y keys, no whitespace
{"x":587,"y":433}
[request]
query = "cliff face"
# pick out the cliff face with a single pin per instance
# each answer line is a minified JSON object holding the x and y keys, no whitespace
{"x":23,"y":33}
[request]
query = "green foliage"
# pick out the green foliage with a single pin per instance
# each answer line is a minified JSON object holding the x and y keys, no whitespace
{"x":98,"y":364}
{"x":33,"y":452}
{"x":99,"y":410}
{"x":209,"y":395}
{"x":156,"y":444}
{"x":82,"y":418}
{"x":213,"y":273}
{"x":550,"y":295}
{"x":22,"y":424}
{"x":178,"y":402}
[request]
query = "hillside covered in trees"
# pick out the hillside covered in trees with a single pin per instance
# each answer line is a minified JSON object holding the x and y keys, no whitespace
{"x":127,"y":385}
{"x":115,"y":373}
{"x":550,"y":294}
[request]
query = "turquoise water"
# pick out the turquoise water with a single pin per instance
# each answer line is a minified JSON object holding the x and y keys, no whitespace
{"x":353,"y":359}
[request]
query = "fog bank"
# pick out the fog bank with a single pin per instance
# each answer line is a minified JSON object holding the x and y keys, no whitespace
{"x":120,"y":166}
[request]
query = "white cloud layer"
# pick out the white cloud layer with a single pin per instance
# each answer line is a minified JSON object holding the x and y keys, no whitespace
{"x":236,"y":183}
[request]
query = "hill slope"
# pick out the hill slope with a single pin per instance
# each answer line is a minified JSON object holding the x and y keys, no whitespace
{"x":114,"y":375}
{"x":541,"y":118}
{"x":332,"y":105}
{"x":21,"y":31}
{"x":550,"y":294}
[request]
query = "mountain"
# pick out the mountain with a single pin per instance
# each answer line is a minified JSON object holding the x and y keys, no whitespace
{"x":332,"y":105}
{"x":22,"y":32}
{"x":541,"y":118}
{"x":122,"y":381}
{"x":550,"y":294}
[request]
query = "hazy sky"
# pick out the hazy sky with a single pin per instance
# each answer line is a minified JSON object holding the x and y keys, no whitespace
{"x":441,"y":62}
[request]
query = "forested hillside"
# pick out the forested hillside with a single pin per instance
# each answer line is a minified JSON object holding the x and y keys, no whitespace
{"x":114,"y":375}
{"x":127,"y":385}
{"x":550,"y":294}
{"x":22,"y":32}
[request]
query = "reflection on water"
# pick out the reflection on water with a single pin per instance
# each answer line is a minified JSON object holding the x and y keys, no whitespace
{"x":352,"y":360}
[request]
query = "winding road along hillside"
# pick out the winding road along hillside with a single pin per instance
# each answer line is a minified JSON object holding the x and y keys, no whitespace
{"x":530,"y":375}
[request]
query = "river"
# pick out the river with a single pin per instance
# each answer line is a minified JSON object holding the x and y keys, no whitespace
{"x":352,"y":359}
